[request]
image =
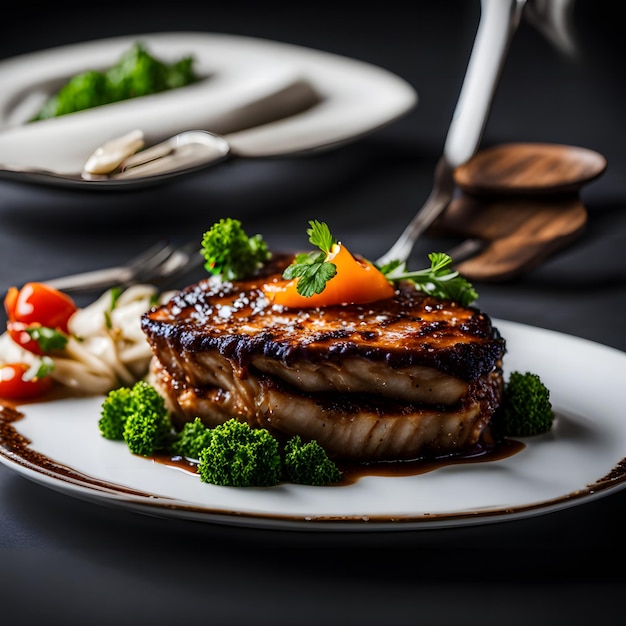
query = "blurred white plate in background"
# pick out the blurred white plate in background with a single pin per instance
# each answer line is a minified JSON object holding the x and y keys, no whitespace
{"x":334,"y":99}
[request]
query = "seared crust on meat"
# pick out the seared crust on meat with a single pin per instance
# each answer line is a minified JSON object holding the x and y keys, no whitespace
{"x":409,"y":329}
{"x":397,"y":378}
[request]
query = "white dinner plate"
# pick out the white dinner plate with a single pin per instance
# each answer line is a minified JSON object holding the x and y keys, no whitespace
{"x":581,"y":459}
{"x":245,"y":82}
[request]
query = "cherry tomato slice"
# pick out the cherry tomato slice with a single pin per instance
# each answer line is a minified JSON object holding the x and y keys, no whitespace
{"x":9,"y":302}
{"x":14,"y":387}
{"x":17,"y":332}
{"x":39,"y":303}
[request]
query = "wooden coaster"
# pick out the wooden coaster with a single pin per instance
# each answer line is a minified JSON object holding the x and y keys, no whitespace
{"x":520,"y":232}
{"x":529,"y":169}
{"x":522,"y":200}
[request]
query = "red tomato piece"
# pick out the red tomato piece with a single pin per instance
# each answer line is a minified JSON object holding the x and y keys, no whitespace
{"x":9,"y":301}
{"x":37,"y":303}
{"x":14,"y":387}
{"x":17,"y":332}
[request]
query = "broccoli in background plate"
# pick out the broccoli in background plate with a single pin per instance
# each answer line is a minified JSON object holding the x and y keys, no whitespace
{"x":137,"y":73}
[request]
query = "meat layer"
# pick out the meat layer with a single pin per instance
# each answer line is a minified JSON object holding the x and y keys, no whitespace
{"x":392,"y":379}
{"x":358,"y":427}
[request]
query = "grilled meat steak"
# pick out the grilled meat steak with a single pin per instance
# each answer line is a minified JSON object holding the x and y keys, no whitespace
{"x":400,"y":378}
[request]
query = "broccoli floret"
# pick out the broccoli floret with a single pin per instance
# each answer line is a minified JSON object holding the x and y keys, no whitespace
{"x":526,"y":406}
{"x":240,"y":456}
{"x":83,"y":91}
{"x":193,"y":437}
{"x":137,"y":73}
{"x":308,"y":463}
{"x":233,"y":454}
{"x":148,"y":427}
{"x":230,"y":253}
{"x":113,"y":413}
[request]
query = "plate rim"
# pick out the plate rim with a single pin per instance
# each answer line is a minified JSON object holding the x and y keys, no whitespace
{"x":109,"y":494}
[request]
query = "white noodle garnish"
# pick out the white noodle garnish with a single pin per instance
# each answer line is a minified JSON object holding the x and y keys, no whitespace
{"x":106,"y":348}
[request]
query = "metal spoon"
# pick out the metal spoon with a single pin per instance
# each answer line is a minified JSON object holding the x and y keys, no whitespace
{"x":188,"y":151}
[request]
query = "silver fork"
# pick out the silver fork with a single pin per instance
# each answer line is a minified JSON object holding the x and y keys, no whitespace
{"x":498,"y":21}
{"x":162,"y":261}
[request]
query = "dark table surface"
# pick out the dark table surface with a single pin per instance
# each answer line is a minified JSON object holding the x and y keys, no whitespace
{"x":65,"y":561}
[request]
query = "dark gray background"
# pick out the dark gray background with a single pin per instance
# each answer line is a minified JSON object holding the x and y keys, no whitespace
{"x":69,"y":562}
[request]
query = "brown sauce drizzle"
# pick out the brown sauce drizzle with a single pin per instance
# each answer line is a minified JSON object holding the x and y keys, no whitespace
{"x":352,"y":472}
{"x":16,"y":448}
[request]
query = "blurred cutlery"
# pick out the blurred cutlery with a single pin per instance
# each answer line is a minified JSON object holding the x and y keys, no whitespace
{"x":110,"y":165}
{"x":160,"y":262}
{"x":188,"y":151}
{"x":498,"y":22}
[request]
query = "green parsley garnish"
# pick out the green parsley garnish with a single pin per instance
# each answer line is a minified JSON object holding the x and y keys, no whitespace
{"x":115,"y":293}
{"x":312,"y":268}
{"x":39,"y":369}
{"x":439,"y":280}
{"x":47,"y":339}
